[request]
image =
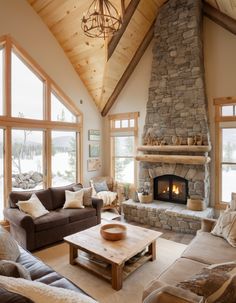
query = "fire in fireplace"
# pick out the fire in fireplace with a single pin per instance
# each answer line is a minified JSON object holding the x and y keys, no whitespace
{"x":170,"y":188}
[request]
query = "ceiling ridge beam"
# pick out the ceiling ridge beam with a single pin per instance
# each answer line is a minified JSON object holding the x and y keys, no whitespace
{"x":129,"y":70}
{"x":220,"y":18}
{"x":112,"y":44}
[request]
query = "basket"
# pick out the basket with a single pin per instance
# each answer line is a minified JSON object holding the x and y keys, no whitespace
{"x":145,"y":198}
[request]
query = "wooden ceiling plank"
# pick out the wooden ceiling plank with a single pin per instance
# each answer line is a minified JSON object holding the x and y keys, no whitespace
{"x":38,"y":5}
{"x":220,"y":18}
{"x":126,"y":19}
{"x":138,"y":55}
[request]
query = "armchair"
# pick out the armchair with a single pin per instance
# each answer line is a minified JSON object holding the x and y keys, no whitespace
{"x":107,"y":189}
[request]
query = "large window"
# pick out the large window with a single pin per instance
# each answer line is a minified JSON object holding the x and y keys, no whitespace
{"x":63,"y":158}
{"x":228,"y":162}
{"x":27,"y":159}
{"x":39,"y":127}
{"x":225,"y":150}
{"x":123,"y":130}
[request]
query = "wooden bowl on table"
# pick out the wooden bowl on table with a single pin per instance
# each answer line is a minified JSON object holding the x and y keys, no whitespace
{"x":113,"y":231}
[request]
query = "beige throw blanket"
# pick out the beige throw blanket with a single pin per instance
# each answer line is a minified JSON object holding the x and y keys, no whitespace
{"x":39,"y":292}
{"x":107,"y":196}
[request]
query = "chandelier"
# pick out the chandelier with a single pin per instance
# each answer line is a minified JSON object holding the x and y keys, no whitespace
{"x":101,"y":20}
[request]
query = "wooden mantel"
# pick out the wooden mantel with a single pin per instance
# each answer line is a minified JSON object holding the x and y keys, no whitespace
{"x":182,"y":159}
{"x":174,"y":148}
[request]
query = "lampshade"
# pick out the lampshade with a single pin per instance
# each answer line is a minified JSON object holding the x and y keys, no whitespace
{"x":101,"y":20}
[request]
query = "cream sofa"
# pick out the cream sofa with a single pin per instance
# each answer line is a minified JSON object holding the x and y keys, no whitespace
{"x":204,"y":249}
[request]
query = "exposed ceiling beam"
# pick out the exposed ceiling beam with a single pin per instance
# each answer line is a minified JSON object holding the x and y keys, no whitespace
{"x":133,"y":63}
{"x":219,"y":18}
{"x":126,"y":19}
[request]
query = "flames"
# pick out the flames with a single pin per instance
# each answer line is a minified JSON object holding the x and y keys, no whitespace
{"x":175,"y":189}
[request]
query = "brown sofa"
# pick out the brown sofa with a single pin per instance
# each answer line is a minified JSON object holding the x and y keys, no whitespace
{"x":39,"y":272}
{"x":35,"y":233}
{"x":204,"y":249}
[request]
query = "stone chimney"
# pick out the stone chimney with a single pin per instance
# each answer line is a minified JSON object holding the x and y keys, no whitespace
{"x":177,"y":106}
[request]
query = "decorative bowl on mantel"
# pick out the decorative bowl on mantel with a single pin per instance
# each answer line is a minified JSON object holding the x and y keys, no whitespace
{"x":113,"y":231}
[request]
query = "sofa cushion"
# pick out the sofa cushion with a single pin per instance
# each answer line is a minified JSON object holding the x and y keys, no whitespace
{"x":50,"y":220}
{"x":78,"y":214}
{"x":209,"y":249}
{"x":44,"y":196}
{"x":180,"y":270}
{"x":8,"y":246}
{"x":58,"y":195}
{"x":41,"y":272}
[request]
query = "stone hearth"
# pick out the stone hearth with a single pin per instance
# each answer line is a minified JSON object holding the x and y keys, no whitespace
{"x":165,"y":215}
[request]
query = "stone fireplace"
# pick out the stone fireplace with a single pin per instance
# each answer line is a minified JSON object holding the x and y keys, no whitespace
{"x":176,"y":136}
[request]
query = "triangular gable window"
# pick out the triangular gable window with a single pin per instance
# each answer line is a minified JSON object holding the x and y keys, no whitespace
{"x":59,"y":112}
{"x":27,"y":90}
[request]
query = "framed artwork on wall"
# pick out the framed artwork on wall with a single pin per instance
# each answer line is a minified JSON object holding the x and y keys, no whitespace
{"x":94,"y":150}
{"x":94,"y":135}
{"x":94,"y":164}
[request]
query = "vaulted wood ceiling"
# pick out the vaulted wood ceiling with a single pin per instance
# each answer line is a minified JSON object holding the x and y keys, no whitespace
{"x":227,"y":7}
{"x":105,"y":66}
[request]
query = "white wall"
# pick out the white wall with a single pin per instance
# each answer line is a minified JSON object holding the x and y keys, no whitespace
{"x":18,"y":19}
{"x":134,"y":96}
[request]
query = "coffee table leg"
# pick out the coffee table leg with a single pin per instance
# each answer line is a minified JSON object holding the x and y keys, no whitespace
{"x":73,"y":254}
{"x":152,"y":250}
{"x":116,"y":278}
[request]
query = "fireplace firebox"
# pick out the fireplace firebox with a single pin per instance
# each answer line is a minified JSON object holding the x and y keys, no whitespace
{"x":170,"y":188}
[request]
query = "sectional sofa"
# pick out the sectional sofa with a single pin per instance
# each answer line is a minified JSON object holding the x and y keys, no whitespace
{"x":205,"y":249}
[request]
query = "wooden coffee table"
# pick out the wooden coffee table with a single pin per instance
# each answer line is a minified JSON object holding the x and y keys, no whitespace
{"x":112,"y":260}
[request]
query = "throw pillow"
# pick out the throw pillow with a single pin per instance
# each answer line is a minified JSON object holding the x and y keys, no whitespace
{"x":74,"y":199}
{"x":87,"y":197}
{"x":32,"y":207}
{"x":13,"y":269}
{"x":100,"y":186}
{"x":216,"y":283}
{"x":9,"y":249}
{"x":226,"y":227}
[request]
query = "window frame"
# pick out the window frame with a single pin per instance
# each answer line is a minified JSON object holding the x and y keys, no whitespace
{"x":222,"y":122}
{"x":8,"y":122}
{"x":126,"y":131}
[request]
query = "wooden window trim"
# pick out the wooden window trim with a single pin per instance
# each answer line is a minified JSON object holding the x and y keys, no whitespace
{"x":219,"y":102}
{"x":7,"y":122}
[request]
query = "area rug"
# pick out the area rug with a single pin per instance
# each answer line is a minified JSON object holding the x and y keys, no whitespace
{"x":58,"y":258}
{"x":109,"y":215}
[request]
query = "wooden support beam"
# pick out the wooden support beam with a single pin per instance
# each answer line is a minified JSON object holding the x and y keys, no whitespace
{"x":218,"y":17}
{"x":126,"y":19}
{"x":133,"y":63}
{"x":197,"y":160}
{"x":174,"y":148}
